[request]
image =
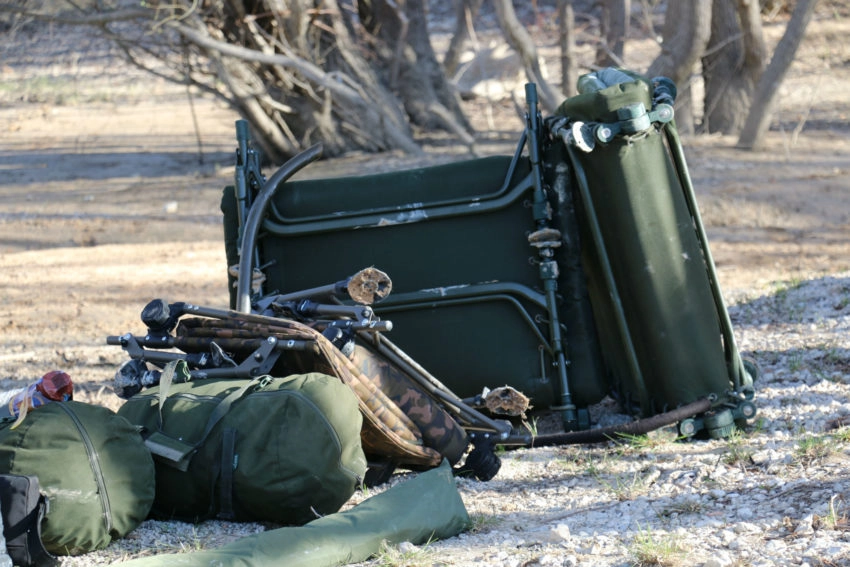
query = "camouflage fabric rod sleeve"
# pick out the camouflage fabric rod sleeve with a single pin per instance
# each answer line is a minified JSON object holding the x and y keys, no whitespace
{"x":439,"y":429}
{"x":388,"y":432}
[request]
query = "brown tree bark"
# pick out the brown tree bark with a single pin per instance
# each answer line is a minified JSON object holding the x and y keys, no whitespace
{"x":732,"y":65}
{"x":404,"y":46}
{"x":615,"y":30}
{"x":764,"y":99}
{"x":686,"y":32}
{"x":520,"y":40}
{"x":567,"y":44}
{"x":465,"y":13}
{"x":300,"y":71}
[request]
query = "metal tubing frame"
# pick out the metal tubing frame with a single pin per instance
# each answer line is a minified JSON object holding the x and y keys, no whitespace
{"x":506,"y":195}
{"x":255,"y":217}
{"x":548,"y":277}
{"x":733,"y":360}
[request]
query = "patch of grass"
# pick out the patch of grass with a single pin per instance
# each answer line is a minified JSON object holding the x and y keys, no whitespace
{"x":626,"y":486}
{"x":594,"y":466}
{"x":643,"y":442}
{"x":737,"y":452}
{"x":783,"y":305}
{"x":842,"y":435}
{"x":758,"y":426}
{"x":663,"y":550}
{"x":781,"y":288}
{"x":404,"y":555}
{"x":194,"y":544}
{"x":531,"y":426}
{"x":795,"y":364}
{"x":833,"y":520}
{"x":812,"y":448}
{"x":364,"y":490}
{"x":483,"y":522}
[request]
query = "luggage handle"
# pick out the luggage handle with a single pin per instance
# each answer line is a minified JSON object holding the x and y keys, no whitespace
{"x":174,"y":452}
{"x":170,"y":451}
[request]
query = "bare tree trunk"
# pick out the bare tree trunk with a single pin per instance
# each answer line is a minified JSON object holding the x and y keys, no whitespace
{"x":755,"y":50}
{"x":731,"y":66}
{"x":305,"y":108}
{"x":465,"y":13}
{"x":686,"y":32}
{"x":300,"y":71}
{"x":567,"y":42}
{"x":615,"y":29}
{"x":416,"y":75}
{"x":764,"y":99}
{"x":519,"y":39}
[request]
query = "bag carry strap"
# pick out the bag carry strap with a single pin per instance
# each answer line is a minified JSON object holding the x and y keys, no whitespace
{"x":174,"y":452}
{"x":23,"y":508}
{"x":228,"y":465}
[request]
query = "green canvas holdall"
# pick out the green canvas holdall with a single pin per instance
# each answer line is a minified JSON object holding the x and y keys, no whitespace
{"x":91,"y":464}
{"x":283,"y":450}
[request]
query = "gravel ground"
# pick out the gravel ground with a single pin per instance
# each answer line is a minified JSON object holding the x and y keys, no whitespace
{"x":774,"y":494}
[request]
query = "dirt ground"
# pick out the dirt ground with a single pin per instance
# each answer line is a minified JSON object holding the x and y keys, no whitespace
{"x":109,"y":201}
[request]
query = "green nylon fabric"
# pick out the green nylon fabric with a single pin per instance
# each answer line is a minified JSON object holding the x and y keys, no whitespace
{"x":602,"y":105}
{"x":425,"y":508}
{"x":656,"y":260}
{"x":297,"y":448}
{"x":93,"y":467}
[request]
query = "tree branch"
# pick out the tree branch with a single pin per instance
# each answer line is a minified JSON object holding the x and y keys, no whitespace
{"x":311,"y":72}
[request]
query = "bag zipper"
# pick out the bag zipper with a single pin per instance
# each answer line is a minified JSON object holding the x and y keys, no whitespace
{"x":94,"y":462}
{"x":182,"y":395}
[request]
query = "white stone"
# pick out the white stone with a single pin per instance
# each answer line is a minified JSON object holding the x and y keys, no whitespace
{"x":553,"y":535}
{"x":719,"y":559}
{"x":805,"y":527}
{"x":406,"y":547}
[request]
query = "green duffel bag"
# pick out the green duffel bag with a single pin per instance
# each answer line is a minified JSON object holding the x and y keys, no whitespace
{"x":284,"y":450}
{"x":93,"y":467}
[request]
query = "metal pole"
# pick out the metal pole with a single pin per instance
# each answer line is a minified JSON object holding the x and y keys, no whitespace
{"x":255,"y":217}
{"x":548,"y":265}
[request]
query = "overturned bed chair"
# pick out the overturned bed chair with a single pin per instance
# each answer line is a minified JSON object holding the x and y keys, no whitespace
{"x":575,"y":269}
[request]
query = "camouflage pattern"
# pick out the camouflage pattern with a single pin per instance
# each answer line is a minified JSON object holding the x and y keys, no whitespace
{"x":241,"y":338}
{"x":388,"y":432}
{"x":439,"y":429}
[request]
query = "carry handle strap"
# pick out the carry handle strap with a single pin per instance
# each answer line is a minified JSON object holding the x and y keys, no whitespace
{"x":165,"y":380}
{"x":228,"y":465}
{"x":174,"y":452}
